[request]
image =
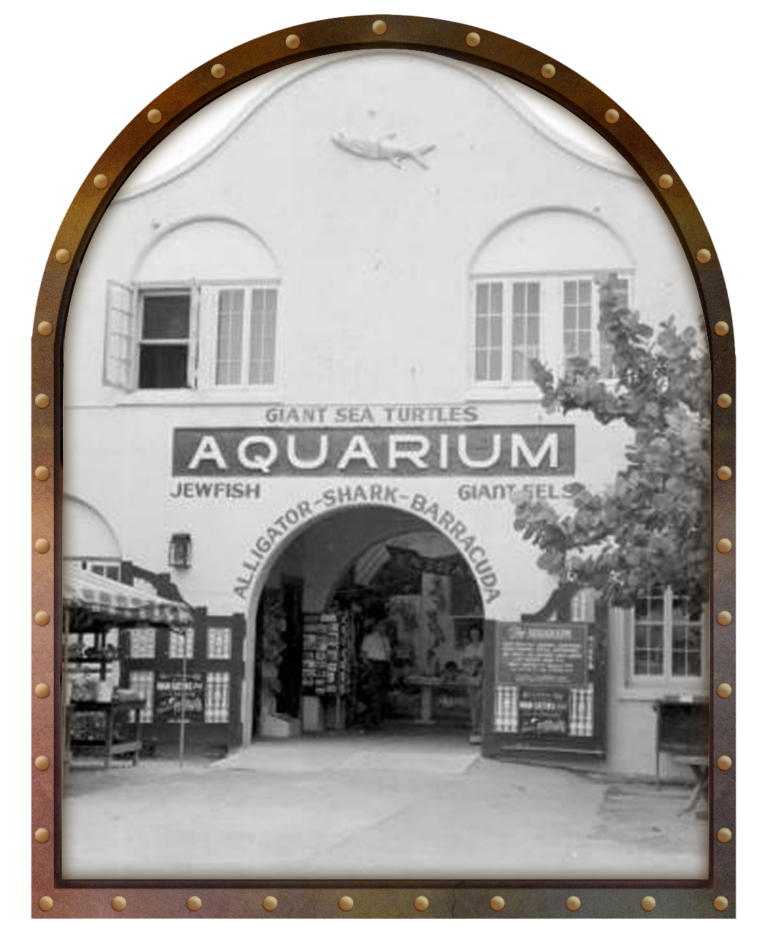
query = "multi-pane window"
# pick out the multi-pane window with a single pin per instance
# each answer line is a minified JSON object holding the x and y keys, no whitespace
{"x":219,"y":642}
{"x":144,"y":684}
{"x":526,"y":310}
{"x":229,"y":340}
{"x":142,"y":642}
{"x":667,"y":637}
{"x":164,"y":347}
{"x":577,"y":320}
{"x":649,"y":634}
{"x":686,"y":640}
{"x":261,"y":367}
{"x":217,"y":698}
{"x":190,"y":336}
{"x":181,"y":642}
{"x":549,"y":318}
{"x":489,"y":328}
{"x":620,"y":292}
{"x":246,"y":330}
{"x":112,"y":571}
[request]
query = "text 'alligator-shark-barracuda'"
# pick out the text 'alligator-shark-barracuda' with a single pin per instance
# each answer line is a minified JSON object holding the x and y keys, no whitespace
{"x":383,"y":148}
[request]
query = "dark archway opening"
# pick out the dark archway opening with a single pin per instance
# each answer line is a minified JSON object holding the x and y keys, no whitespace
{"x":343,"y":574}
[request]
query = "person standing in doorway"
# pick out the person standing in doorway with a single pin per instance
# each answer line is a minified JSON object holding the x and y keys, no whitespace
{"x":376,"y":653}
{"x":472,"y":664}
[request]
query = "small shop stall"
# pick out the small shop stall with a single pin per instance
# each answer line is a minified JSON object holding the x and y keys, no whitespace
{"x":101,"y":709}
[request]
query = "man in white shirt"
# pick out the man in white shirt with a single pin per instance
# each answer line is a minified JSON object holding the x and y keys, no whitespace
{"x":376,"y":653}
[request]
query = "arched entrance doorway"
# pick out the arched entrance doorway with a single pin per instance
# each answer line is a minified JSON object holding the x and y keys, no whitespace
{"x":338,"y":577}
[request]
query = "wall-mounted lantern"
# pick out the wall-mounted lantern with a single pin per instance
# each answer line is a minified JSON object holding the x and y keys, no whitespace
{"x":180,"y":551}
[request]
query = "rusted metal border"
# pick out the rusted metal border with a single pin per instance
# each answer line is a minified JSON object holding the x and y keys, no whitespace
{"x":390,"y":899}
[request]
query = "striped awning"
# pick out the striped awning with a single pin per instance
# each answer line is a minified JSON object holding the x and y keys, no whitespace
{"x":112,"y":600}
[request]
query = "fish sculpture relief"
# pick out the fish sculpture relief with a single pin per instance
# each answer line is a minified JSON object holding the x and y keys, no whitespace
{"x":383,"y":148}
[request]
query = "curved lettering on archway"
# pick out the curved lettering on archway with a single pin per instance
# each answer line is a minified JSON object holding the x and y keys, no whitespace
{"x":276,"y":537}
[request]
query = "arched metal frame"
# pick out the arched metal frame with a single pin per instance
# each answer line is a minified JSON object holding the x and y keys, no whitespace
{"x":614,"y":899}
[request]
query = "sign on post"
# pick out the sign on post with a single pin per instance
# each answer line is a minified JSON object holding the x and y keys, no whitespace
{"x":169,"y":691}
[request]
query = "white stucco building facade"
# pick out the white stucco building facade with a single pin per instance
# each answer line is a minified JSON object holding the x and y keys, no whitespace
{"x":315,"y":337}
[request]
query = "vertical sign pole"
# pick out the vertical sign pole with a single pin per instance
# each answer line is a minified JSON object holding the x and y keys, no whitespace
{"x":183,"y":696}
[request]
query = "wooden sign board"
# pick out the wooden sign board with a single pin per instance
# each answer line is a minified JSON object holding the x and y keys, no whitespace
{"x":545,"y":688}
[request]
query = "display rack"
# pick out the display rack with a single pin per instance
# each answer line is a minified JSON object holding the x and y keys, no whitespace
{"x":98,"y":710}
{"x":326,"y":660}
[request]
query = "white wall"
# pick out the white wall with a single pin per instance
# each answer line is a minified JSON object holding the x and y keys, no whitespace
{"x":374,"y":298}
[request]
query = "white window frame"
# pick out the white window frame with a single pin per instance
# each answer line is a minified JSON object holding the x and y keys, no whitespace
{"x":103,"y":567}
{"x":210,"y":345}
{"x":125,"y":324}
{"x":218,"y":642}
{"x":218,"y":698}
{"x":138,"y":638}
{"x":144,"y":680}
{"x":191,"y":341}
{"x":551,"y":351}
{"x":181,"y":642}
{"x":666,"y":679}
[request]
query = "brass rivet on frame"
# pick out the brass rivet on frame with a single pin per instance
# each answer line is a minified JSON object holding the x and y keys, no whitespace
{"x":648,"y":903}
{"x":379,"y":27}
{"x":42,"y":690}
{"x":346,"y":904}
{"x":194,"y":903}
{"x":703,"y":255}
{"x":42,"y":762}
{"x":421,"y":903}
{"x":218,"y":71}
{"x":573,"y":904}
{"x":611,"y":115}
{"x":720,"y":903}
{"x":270,"y":903}
{"x":42,"y":473}
{"x":724,"y":401}
{"x":666,"y":181}
{"x":119,"y":903}
{"x":548,"y":70}
{"x":724,"y":835}
{"x":473,"y":39}
{"x":154,"y":116}
{"x":42,"y":401}
{"x":42,"y":835}
{"x":62,"y":255}
{"x":722,"y":328}
{"x":724,"y":762}
{"x":497,"y":903}
{"x":724,"y":545}
{"x":46,"y":903}
{"x":724,"y":618}
{"x":42,"y":545}
{"x":100,"y":181}
{"x":292,"y":41}
{"x":724,"y":690}
{"x":42,"y":618}
{"x":45,"y":328}
{"x":724,"y":473}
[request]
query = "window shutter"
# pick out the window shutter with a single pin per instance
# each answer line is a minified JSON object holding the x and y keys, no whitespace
{"x":121,"y":337}
{"x":193,"y":360}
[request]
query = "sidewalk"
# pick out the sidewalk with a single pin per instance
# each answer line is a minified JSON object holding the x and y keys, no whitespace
{"x":378,"y":806}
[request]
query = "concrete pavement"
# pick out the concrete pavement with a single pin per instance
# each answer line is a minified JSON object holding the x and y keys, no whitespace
{"x":374,"y":806}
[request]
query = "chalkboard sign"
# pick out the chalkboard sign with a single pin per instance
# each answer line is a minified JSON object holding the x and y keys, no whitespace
{"x":168,"y":694}
{"x":548,"y":687}
{"x":542,"y":654}
{"x":543,"y":712}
